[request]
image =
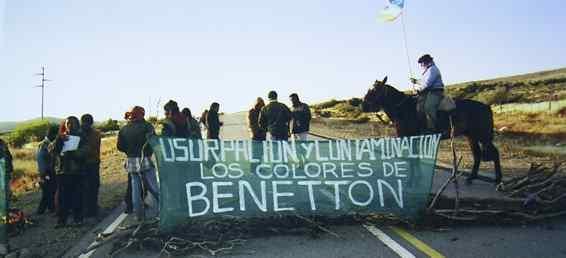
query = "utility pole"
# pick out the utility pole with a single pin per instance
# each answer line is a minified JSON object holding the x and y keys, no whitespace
{"x":42,"y":86}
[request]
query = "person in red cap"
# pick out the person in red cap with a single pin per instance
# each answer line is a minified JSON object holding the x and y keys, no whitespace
{"x":132,"y":140}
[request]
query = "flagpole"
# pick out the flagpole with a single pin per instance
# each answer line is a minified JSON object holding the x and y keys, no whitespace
{"x":406,"y":44}
{"x":392,"y":11}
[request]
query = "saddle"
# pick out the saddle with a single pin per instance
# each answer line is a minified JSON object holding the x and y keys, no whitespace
{"x":447,"y":104}
{"x":446,"y":107}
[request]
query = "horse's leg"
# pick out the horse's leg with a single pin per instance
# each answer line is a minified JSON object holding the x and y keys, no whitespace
{"x":476,"y":152}
{"x":491,"y":153}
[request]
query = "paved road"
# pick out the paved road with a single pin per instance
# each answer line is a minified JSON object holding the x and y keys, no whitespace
{"x":545,"y":239}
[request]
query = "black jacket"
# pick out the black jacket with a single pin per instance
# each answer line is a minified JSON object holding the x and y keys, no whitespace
{"x":214,"y":124}
{"x":275,"y":118}
{"x":258,"y":134}
{"x":301,"y":118}
{"x":70,"y":162}
{"x":133,"y":136}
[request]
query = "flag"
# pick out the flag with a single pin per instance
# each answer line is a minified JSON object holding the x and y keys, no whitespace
{"x":393,"y":10}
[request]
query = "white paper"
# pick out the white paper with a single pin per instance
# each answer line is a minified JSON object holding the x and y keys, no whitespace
{"x":71,"y":144}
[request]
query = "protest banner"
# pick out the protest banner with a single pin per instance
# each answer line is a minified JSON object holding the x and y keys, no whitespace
{"x":245,"y":178}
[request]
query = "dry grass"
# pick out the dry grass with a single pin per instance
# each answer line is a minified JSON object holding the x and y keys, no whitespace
{"x":113,"y":177}
{"x":25,"y":176}
{"x":541,"y":125}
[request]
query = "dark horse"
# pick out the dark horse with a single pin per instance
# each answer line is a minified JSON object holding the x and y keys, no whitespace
{"x":472,"y":119}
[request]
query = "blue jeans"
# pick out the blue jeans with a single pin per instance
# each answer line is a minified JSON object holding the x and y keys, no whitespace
{"x":150,"y":184}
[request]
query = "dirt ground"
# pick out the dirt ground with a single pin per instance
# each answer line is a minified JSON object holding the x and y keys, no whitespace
{"x":41,"y":239}
{"x":515,"y":158}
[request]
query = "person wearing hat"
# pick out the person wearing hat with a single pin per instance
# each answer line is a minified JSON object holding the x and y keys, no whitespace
{"x":430,"y":90}
{"x":275,"y":117}
{"x":132,"y":140}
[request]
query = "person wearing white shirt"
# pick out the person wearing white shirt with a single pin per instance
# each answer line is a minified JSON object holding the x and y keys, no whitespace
{"x":430,"y":90}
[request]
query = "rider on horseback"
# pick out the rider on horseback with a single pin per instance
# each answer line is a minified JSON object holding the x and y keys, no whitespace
{"x":430,"y":91}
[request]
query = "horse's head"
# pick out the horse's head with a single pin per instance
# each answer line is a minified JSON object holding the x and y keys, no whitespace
{"x":374,"y":98}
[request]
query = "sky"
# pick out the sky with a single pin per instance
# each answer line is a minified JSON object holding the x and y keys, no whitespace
{"x":105,"y":56}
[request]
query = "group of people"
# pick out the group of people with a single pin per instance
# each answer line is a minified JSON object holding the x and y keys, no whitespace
{"x":68,"y":162}
{"x":274,"y":118}
{"x":70,"y":175}
{"x":277,"y":119}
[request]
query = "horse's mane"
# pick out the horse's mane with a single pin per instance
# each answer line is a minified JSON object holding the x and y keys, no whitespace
{"x":394,"y":96}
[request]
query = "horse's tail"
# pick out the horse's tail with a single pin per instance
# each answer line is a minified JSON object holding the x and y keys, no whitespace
{"x":490,"y":124}
{"x":489,"y":151}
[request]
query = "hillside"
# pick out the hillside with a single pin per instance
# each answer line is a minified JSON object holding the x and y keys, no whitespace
{"x":525,"y":88}
{"x":520,"y":90}
{"x":9,"y":126}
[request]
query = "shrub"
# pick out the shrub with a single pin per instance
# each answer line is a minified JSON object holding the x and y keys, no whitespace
{"x":356,"y":102}
{"x":327,"y":104}
{"x":494,"y":97}
{"x":27,"y":132}
{"x":153,"y":120}
{"x":109,"y":125}
{"x":361,"y":119}
{"x":325,"y":114}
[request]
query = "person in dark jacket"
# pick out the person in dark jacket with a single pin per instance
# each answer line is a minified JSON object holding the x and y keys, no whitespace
{"x":213,"y":122}
{"x":91,"y":181}
{"x":257,"y":133}
{"x":301,"y":118}
{"x":175,"y":124}
{"x":7,"y":156}
{"x":194,"y":126}
{"x":69,"y":166}
{"x":275,"y":117}
{"x":46,"y":169}
{"x":8,"y":169}
{"x":132,"y":140}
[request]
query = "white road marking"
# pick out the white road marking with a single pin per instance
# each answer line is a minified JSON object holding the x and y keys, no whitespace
{"x":109,"y":230}
{"x":389,"y":242}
